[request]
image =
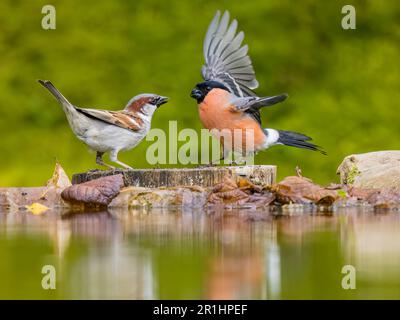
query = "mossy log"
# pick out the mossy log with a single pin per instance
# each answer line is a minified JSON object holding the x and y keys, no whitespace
{"x":204,"y":177}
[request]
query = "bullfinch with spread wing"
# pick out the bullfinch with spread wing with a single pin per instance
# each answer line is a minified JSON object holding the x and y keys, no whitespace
{"x":110,"y":131}
{"x":226,"y":100}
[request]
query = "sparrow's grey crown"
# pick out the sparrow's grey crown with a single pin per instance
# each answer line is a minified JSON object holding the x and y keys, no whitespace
{"x":226,"y":60}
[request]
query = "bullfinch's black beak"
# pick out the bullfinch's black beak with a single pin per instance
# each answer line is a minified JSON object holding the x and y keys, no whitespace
{"x":161,"y":100}
{"x":196,"y":94}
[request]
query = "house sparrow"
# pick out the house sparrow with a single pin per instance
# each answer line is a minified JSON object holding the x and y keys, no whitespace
{"x":110,"y":131}
{"x":226,"y":100}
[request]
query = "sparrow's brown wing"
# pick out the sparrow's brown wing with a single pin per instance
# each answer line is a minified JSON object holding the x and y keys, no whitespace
{"x":121,"y":119}
{"x":226,"y":60}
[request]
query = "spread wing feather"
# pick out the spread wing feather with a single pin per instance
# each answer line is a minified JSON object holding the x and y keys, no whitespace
{"x":226,"y":60}
{"x":253,"y":104}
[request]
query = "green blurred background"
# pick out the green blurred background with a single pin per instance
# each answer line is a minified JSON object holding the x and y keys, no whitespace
{"x":343,"y":84}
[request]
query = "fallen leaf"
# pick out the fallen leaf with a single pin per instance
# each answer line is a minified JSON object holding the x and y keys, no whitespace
{"x":229,"y":196}
{"x":246,"y":184}
{"x":241,"y":192}
{"x":294,"y":189}
{"x":95,"y":192}
{"x":227,"y":185}
{"x":37,"y":208}
{"x":259,"y":199}
{"x":59,"y":181}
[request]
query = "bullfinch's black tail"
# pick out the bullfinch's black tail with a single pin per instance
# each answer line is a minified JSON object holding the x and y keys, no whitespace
{"x":298,"y":140}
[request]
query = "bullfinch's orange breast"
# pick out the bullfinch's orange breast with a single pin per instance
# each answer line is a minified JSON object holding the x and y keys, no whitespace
{"x":214,"y":108}
{"x":216,"y":113}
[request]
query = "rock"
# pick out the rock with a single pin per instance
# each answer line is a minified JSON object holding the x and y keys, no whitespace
{"x":374,"y":170}
{"x":96,"y":192}
{"x":203,"y":177}
{"x":385,"y":199}
{"x":16,"y":198}
{"x":48,"y":196}
{"x":193,"y":197}
{"x":378,"y":198}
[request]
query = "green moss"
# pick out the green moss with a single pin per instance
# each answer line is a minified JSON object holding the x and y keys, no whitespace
{"x":354,"y":172}
{"x":342,"y":193}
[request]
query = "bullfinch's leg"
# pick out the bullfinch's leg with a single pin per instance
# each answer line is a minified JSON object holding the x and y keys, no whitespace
{"x":239,"y":159}
{"x":114,"y":158}
{"x":211,"y":164}
{"x":214,"y":163}
{"x":233,"y":163}
{"x":225,"y":154}
{"x":99,"y":160}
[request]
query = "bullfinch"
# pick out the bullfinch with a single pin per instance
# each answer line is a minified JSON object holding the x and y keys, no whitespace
{"x":226,"y":100}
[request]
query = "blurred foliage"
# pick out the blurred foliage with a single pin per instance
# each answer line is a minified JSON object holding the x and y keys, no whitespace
{"x":343,"y":84}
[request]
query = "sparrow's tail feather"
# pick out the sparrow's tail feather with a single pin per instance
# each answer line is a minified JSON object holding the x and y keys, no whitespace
{"x":292,"y":139}
{"x":57,"y":94}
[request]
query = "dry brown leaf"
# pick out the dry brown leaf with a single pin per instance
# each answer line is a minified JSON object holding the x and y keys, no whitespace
{"x":240,"y":193}
{"x":96,"y":192}
{"x":59,"y":181}
{"x":296,"y":189}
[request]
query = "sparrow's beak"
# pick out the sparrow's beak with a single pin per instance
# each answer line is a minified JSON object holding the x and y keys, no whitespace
{"x":196,"y":94}
{"x":161,"y":100}
{"x":275,"y":99}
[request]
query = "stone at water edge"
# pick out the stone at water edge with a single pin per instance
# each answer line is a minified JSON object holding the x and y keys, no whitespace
{"x":202,"y":177}
{"x":49,"y":196}
{"x":380,"y":170}
{"x":191,"y":197}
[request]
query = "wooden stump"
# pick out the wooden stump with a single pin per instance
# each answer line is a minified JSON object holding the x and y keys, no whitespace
{"x":204,"y":177}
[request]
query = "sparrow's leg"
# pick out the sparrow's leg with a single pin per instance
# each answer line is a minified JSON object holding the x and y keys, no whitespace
{"x":99,"y":160}
{"x":114,"y":158}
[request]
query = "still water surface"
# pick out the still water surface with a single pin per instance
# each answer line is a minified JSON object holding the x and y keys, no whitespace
{"x":200,"y":255}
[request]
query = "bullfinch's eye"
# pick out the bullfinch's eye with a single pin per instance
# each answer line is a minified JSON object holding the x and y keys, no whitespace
{"x":208,"y":88}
